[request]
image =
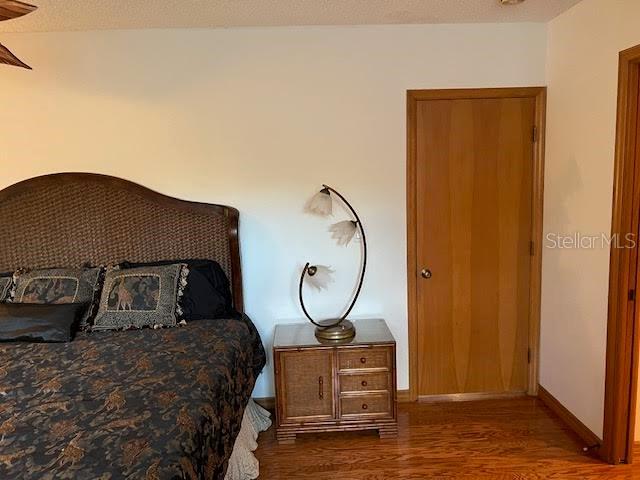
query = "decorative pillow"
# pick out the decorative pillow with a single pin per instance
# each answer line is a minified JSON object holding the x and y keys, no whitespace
{"x":140,"y":297}
{"x":59,"y":285}
{"x":39,"y":322}
{"x":6,"y":280}
{"x":207,"y":295}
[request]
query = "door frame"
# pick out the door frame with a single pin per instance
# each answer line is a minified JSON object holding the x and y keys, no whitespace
{"x":622,"y":319}
{"x":413,"y":97}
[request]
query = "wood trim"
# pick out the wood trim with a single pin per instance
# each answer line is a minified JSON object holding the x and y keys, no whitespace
{"x":469,"y":397}
{"x":537,"y":204}
{"x":236,"y":265}
{"x":462,"y":93}
{"x":590,"y":439}
{"x":404,"y":396}
{"x":268,"y":403}
{"x":622,"y":321}
{"x":412,"y":242}
{"x":413,"y":96}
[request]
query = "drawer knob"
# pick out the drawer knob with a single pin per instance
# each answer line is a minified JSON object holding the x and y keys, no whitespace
{"x":363,"y":360}
{"x":364,"y":383}
{"x":365,"y":406}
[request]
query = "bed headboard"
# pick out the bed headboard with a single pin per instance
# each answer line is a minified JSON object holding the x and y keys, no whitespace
{"x":70,"y":219}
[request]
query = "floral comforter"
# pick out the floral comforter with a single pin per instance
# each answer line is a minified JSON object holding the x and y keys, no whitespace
{"x":143,"y":404}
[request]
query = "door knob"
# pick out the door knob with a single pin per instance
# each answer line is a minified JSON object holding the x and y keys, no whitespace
{"x":426,"y":273}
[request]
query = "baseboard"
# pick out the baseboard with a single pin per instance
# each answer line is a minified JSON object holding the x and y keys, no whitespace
{"x":266,"y":402}
{"x":404,"y":396}
{"x":469,"y":397}
{"x":590,"y":439}
{"x":270,"y":402}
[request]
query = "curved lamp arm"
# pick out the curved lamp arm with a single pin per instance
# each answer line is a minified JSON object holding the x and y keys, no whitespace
{"x":305,"y":270}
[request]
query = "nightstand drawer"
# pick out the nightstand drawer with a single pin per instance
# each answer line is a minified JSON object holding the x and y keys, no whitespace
{"x":365,"y":382}
{"x":365,"y":405}
{"x":350,"y":359}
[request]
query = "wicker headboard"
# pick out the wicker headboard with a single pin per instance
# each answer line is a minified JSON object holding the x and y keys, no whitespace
{"x":70,"y":219}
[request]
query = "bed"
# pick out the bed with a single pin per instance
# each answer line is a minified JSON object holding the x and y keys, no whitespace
{"x":149,"y":404}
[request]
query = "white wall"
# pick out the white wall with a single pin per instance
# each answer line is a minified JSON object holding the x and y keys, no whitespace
{"x":258,"y":119}
{"x":582,"y":68}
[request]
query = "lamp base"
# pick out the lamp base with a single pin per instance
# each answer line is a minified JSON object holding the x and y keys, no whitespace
{"x":345,"y":331}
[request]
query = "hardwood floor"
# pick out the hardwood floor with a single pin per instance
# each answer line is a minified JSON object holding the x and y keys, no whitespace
{"x":489,"y":439}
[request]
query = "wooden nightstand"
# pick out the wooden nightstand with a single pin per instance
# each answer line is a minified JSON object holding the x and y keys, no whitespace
{"x":333,"y":388}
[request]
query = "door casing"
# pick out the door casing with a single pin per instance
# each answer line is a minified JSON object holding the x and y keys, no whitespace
{"x":413,"y":97}
{"x":623,"y":325}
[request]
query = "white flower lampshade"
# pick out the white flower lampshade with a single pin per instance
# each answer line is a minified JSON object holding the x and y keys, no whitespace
{"x":343,"y":231}
{"x":321,"y":203}
{"x":319,"y":276}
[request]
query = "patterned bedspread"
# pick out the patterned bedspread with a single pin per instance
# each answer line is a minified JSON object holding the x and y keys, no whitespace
{"x":142,"y":404}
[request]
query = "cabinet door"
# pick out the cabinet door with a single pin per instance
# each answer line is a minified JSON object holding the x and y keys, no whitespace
{"x":306,"y":385}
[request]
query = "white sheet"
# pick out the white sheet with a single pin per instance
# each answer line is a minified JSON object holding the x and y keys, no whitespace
{"x":243,"y":465}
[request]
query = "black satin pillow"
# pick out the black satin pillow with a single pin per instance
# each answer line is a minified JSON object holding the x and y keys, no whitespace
{"x":39,"y":322}
{"x":207,"y":295}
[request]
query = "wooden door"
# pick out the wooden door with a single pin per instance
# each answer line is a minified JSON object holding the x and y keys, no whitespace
{"x":308,"y":376}
{"x":474,"y":163}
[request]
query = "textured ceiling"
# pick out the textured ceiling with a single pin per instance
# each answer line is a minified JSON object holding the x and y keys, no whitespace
{"x":56,"y":15}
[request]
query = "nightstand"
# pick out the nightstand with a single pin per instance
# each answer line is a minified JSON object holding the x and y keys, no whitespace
{"x":335,"y":387}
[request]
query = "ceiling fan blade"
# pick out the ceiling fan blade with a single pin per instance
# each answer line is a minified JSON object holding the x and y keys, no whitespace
{"x":9,"y":58}
{"x":13,"y":9}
